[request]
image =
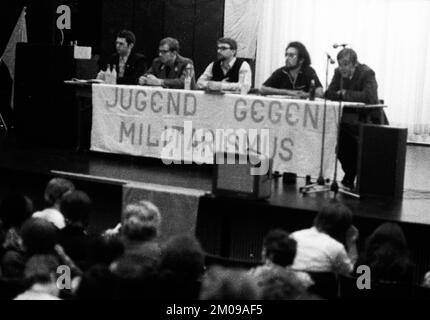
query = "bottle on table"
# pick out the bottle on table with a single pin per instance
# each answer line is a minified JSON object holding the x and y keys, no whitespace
{"x":242,"y":84}
{"x":114,"y":75}
{"x":188,"y":77}
{"x":312,"y":90}
{"x":108,"y":75}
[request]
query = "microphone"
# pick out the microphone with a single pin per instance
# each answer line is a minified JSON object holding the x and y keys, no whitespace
{"x":330,"y":59}
{"x":335,"y":46}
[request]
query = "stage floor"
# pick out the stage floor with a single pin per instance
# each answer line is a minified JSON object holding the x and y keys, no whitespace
{"x":109,"y":168}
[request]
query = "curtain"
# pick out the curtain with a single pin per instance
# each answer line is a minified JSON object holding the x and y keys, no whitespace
{"x":241,"y":22}
{"x":390,"y":36}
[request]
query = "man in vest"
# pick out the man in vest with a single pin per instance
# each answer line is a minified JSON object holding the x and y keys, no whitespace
{"x":226,"y":70}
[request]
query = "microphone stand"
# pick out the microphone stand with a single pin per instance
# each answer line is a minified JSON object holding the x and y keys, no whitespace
{"x":320,"y":181}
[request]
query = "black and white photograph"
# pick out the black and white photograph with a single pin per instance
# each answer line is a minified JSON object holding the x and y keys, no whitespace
{"x":206,"y":157}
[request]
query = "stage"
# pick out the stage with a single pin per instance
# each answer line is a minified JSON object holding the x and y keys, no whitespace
{"x":227,"y":227}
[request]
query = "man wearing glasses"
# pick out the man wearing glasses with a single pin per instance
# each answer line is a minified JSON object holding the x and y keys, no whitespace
{"x":294,"y":79}
{"x":169,"y":69}
{"x":227,"y":69}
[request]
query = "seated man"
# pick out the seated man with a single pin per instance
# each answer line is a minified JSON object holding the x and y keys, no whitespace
{"x":352,"y":81}
{"x":227,"y":68}
{"x":169,"y":69}
{"x":294,"y":79}
{"x":330,"y":245}
{"x":129,"y":65}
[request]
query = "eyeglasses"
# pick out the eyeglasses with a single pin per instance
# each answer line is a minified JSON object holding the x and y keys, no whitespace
{"x":290,"y":55}
{"x":163,"y":51}
{"x":223,"y":48}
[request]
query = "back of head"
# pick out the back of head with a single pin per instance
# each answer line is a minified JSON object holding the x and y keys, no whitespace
{"x":39,"y":236}
{"x":136,"y":277}
{"x":334,"y":219}
{"x":387,"y":251}
{"x":41,"y":269}
{"x":228,"y":284}
{"x":14,"y":210}
{"x":172,"y":43}
{"x":280,"y":284}
{"x":76,"y":207}
{"x":348,"y":54}
{"x":55,"y":189}
{"x":181,"y":267}
{"x":183,"y":254}
{"x":279,"y":247}
{"x":141,"y":221}
{"x":127,"y":35}
{"x":97,"y":283}
{"x":303,"y":53}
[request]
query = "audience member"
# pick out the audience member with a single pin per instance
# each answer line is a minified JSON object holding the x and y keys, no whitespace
{"x":182,"y":267}
{"x":76,"y":208}
{"x":137,"y":277}
{"x":323,"y":247}
{"x":41,"y":275}
{"x":140,"y":229}
{"x":228,"y":284}
{"x":55,"y":189}
{"x":386,"y":253}
{"x":279,"y":251}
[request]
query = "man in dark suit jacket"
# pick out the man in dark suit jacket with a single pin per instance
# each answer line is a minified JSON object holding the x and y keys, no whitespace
{"x":354,"y":82}
{"x":129,"y":65}
{"x":170,"y":68}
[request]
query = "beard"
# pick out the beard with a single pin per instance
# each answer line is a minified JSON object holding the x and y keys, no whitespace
{"x":289,"y":67}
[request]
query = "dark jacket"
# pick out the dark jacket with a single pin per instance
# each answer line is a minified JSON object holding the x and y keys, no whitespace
{"x":174,"y":78}
{"x":362,"y":87}
{"x":135,"y":66}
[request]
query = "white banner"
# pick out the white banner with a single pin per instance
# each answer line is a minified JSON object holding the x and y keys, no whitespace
{"x":139,"y":121}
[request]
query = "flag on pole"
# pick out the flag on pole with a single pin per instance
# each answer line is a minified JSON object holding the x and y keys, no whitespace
{"x":19,"y":34}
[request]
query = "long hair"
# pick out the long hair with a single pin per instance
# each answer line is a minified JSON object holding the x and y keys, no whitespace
{"x":386,"y":253}
{"x":303,"y":53}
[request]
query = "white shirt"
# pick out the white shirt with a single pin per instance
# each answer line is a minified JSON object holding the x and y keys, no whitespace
{"x":318,"y":252}
{"x":51,"y":215}
{"x":202,"y":83}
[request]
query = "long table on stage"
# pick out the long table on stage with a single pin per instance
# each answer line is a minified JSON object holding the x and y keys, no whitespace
{"x":133,"y":119}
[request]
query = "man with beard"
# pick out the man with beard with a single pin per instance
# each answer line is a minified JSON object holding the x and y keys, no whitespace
{"x":295,"y":78}
{"x":227,"y":68}
{"x":170,"y":68}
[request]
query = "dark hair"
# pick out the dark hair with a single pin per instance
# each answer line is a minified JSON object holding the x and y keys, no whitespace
{"x":228,"y":284}
{"x":136,"y":276}
{"x":231,"y":42}
{"x":334,"y":219}
{"x":280,"y":248}
{"x":56,"y":188}
{"x":39,"y":236}
{"x":303,"y":53}
{"x":349,"y":54}
{"x":128,"y":35}
{"x":181,"y":267}
{"x":172,"y":43}
{"x":76,"y":206}
{"x":386,"y":253}
{"x":97,"y":283}
{"x":14,"y":210}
